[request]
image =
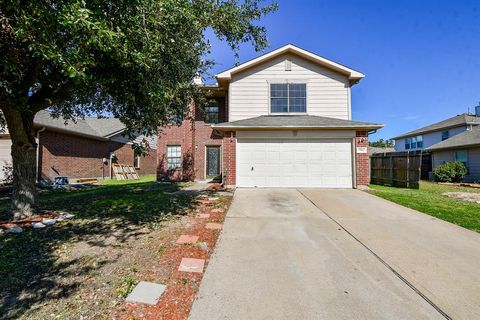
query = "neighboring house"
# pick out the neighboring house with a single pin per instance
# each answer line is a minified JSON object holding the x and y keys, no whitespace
{"x":280,"y":120}
{"x":374,"y":150}
{"x":82,"y":149}
{"x":463,"y":147}
{"x":428,"y":136}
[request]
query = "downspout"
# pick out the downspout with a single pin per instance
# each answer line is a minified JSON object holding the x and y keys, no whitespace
{"x":38,"y":152}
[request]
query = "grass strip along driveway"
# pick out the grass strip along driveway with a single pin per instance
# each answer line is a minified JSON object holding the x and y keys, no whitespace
{"x":86,"y":265}
{"x":429,"y":199}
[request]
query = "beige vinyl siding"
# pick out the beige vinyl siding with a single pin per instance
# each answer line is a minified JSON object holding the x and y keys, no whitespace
{"x":327,"y":91}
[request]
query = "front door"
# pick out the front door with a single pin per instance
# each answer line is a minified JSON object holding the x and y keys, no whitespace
{"x":213,"y":162}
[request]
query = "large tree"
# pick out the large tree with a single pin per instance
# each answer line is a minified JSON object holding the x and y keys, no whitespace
{"x":134,"y":59}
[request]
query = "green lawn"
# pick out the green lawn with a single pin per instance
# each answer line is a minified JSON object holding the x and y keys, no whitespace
{"x":429,"y":199}
{"x":39,"y":267}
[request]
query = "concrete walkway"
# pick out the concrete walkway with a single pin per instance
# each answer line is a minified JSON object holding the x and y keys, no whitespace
{"x":283,"y":255}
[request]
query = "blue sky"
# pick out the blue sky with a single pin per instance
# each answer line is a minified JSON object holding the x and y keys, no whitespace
{"x":421,"y":58}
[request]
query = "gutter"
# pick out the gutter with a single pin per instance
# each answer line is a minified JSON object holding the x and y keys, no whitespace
{"x":75,"y":133}
{"x":296,"y":127}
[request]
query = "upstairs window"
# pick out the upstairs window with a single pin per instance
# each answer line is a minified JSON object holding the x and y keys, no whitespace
{"x":445,"y":135}
{"x":288,"y":98}
{"x":211,"y":113}
{"x":414,"y":142}
{"x":174,"y":155}
{"x":419,"y":142}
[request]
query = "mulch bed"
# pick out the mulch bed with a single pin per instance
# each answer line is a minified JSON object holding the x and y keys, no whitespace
{"x":176,"y":301}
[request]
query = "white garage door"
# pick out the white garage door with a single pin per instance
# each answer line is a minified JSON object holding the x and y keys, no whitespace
{"x":294,"y":163}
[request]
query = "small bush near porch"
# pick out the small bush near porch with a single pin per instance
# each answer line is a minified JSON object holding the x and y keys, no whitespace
{"x":430,"y":199}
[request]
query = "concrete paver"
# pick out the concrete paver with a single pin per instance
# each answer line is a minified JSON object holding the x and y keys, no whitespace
{"x":146,"y":292}
{"x":191,"y":265}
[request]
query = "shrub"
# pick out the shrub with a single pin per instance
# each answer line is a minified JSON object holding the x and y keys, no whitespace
{"x":450,"y":172}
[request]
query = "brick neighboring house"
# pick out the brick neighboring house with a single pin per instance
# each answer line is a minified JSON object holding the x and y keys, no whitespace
{"x":280,"y":120}
{"x":77,"y":150}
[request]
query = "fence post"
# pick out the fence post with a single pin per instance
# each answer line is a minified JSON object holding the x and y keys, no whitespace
{"x":408,"y":169}
{"x":391,"y":170}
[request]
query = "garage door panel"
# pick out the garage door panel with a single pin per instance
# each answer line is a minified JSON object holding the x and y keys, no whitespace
{"x":294,"y":163}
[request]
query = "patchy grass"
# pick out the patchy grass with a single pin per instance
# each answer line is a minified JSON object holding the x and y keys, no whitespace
{"x":82,"y":266}
{"x":429,"y":199}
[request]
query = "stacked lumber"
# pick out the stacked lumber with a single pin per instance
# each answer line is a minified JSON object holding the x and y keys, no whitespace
{"x":124,"y":172}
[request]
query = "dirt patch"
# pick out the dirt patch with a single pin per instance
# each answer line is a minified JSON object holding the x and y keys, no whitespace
{"x":466,"y":196}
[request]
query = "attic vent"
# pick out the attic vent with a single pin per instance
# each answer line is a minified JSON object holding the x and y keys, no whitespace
{"x":288,"y":65}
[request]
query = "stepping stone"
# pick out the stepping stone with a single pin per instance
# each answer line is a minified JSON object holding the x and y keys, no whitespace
{"x":213,"y":226}
{"x":213,"y":199}
{"x":38,"y":225}
{"x":49,"y":222}
{"x":184,"y":238}
{"x":146,"y":292}
{"x":191,"y":265}
{"x":218,"y":210}
{"x":203,"y":215}
{"x":15,"y":229}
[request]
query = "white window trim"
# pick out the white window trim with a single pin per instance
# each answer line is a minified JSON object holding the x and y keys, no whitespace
{"x":180,"y":158}
{"x":283,"y":81}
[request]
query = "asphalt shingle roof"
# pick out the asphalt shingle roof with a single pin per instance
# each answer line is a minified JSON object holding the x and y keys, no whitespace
{"x":296,"y":121}
{"x":94,"y":127}
{"x":456,"y":121}
{"x":464,"y":139}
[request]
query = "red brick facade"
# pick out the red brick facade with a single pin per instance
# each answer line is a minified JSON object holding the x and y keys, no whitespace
{"x":73,"y":156}
{"x":193,"y":137}
{"x":229,"y":158}
{"x":362,"y":159}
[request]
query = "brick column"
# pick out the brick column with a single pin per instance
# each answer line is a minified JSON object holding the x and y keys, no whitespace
{"x":229,"y":158}
{"x":362,"y":159}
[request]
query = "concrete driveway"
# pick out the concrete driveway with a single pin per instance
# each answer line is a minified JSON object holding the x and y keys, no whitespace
{"x":337,"y":254}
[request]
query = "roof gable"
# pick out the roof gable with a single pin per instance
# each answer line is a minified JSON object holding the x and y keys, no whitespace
{"x":353,"y":75}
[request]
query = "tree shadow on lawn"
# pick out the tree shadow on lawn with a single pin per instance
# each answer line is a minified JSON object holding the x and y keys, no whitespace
{"x":105,"y":216}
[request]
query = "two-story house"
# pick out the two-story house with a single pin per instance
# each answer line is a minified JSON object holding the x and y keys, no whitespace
{"x":426,"y":137}
{"x":453,"y":139}
{"x":283,"y":119}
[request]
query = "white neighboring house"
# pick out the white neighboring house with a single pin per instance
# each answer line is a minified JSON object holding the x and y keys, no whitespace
{"x":425,"y":137}
{"x":454,"y":139}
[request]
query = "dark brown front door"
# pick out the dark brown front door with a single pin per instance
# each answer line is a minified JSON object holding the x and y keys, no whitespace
{"x":213,"y":162}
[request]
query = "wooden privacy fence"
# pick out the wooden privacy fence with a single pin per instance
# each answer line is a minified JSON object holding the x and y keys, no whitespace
{"x":399,"y":169}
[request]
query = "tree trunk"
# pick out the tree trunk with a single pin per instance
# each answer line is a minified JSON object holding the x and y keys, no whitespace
{"x":24,"y":156}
